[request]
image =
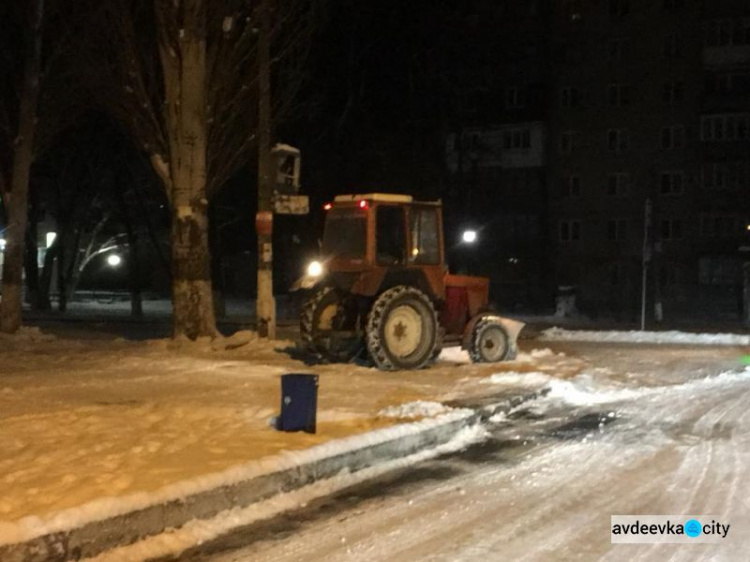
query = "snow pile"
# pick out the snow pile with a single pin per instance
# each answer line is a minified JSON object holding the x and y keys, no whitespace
{"x":244,"y":339}
{"x":585,"y":390}
{"x":514,"y":378}
{"x":454,"y":355}
{"x":414,"y":410}
{"x":674,"y":337}
{"x":27,"y":334}
{"x":546,"y":352}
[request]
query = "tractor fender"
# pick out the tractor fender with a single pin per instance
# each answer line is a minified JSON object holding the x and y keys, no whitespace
{"x":513,"y":327}
{"x":375,"y":282}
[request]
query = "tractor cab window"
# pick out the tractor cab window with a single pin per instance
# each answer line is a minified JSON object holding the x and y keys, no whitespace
{"x":425,"y":239}
{"x":391,"y":242}
{"x":345,"y":234}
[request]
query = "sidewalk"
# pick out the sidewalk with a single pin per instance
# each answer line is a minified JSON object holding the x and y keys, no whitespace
{"x":91,"y":427}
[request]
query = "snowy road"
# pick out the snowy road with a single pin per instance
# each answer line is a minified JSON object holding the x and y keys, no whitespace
{"x":644,"y":430}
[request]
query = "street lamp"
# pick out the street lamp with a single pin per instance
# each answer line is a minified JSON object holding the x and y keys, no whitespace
{"x":113,"y":260}
{"x":469,"y":236}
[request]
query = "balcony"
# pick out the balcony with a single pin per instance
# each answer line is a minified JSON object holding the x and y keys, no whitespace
{"x":731,"y":55}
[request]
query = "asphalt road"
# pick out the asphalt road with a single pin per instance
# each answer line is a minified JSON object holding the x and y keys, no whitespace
{"x":642,"y":430}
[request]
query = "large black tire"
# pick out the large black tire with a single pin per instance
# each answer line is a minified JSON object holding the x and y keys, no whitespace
{"x":490,"y":342}
{"x":402,"y":329}
{"x":329,"y":309}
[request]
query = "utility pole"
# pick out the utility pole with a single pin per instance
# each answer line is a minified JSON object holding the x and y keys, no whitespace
{"x":265,"y":310}
{"x":646,"y":258}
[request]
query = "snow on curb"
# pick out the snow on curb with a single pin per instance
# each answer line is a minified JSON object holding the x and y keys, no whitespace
{"x":107,"y":523}
{"x":173,"y":543}
{"x":413,"y":410}
{"x":559,"y":334}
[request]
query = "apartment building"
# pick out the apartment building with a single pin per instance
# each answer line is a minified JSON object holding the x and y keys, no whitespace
{"x":647,"y":107}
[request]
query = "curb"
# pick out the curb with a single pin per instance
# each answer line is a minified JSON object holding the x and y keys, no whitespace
{"x":97,"y":537}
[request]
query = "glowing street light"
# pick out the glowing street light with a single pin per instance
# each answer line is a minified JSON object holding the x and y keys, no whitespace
{"x":113,"y":260}
{"x":469,"y":236}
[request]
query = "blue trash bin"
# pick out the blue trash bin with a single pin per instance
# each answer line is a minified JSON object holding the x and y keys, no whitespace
{"x":299,"y":402}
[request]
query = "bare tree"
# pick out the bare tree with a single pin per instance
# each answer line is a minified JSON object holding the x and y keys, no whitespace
{"x":181,"y":77}
{"x":14,"y":176}
{"x":33,"y":35}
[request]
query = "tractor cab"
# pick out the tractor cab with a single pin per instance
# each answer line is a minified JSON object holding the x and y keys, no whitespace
{"x":381,"y":284}
{"x":404,"y":232}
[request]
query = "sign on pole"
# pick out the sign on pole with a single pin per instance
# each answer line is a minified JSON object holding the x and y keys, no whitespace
{"x":291,"y":204}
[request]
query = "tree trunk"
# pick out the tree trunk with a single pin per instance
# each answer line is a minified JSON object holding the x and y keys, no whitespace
{"x":16,"y":203}
{"x":192,"y":301}
{"x":217,"y":274}
{"x":62,"y":284}
{"x":134,"y":273}
{"x":187,"y":124}
{"x":31,"y":261}
{"x":46,"y":279}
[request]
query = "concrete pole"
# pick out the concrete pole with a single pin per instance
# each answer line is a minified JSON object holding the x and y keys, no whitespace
{"x":746,"y":294}
{"x":266,"y":304}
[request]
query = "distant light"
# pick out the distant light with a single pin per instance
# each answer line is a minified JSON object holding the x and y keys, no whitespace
{"x":2,"y":244}
{"x":51,"y":236}
{"x":748,"y":227}
{"x":415,"y":252}
{"x":113,"y":260}
{"x":315,"y":269}
{"x":327,"y":207}
{"x":363,"y":204}
{"x":469,"y":236}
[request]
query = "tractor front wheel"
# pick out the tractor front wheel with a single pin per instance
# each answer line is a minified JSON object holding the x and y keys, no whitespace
{"x":402,"y":329}
{"x":328,"y":325}
{"x":490,"y":342}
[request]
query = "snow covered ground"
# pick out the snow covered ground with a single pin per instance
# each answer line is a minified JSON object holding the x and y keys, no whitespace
{"x":671,"y":337}
{"x":655,"y":431}
{"x":94,"y":428}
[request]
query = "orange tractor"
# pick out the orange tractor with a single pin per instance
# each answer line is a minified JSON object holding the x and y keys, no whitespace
{"x":382,"y":286}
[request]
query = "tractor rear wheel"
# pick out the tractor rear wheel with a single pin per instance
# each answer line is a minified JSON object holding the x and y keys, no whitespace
{"x":325,"y":313}
{"x":402,"y":329}
{"x":490,"y":342}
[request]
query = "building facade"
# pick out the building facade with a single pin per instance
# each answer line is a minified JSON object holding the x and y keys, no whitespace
{"x":647,"y":153}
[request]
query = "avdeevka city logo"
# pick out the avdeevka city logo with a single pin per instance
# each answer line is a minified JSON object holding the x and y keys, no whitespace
{"x":684,"y":529}
{"x":693,"y":528}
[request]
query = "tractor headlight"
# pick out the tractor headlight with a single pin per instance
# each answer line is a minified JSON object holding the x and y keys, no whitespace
{"x":315,"y":269}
